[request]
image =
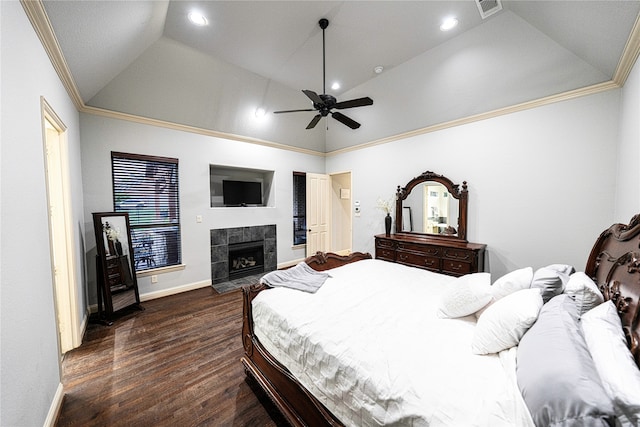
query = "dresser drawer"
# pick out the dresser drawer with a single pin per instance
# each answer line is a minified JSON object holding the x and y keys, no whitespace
{"x":385,"y":254}
{"x":440,"y":255}
{"x":458,"y":254}
{"x":418,"y":260}
{"x":426,"y":250}
{"x":456,"y":268}
{"x":381,"y":243}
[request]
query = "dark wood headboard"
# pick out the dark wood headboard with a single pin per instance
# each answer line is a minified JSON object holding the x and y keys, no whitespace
{"x":614,"y":265}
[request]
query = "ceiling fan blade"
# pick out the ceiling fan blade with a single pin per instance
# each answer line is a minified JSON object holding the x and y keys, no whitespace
{"x":293,"y":111}
{"x":345,"y":120}
{"x":314,"y":121}
{"x":360,"y":102}
{"x":313,"y":96}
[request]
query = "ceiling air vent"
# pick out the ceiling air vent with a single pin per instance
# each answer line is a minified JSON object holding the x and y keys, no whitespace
{"x":488,"y":7}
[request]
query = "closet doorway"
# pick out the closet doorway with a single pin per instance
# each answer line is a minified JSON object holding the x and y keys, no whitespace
{"x":328,"y":213}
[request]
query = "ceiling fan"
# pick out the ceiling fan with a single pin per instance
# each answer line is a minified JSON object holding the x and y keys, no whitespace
{"x":324,"y":103}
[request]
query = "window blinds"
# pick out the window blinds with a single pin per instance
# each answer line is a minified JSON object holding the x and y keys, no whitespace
{"x":146,"y":187}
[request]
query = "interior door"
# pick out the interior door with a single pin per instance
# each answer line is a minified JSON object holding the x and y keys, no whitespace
{"x":61,"y":235}
{"x":318,"y":213}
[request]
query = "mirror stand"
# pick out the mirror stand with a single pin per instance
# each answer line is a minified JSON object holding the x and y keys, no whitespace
{"x":116,"y":278}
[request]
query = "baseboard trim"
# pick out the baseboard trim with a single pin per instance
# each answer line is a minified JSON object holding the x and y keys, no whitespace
{"x":54,"y":409}
{"x":287,"y":264}
{"x":173,"y":291}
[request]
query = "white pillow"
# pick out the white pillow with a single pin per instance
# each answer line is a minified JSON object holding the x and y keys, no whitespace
{"x":617,"y":369}
{"x":586,"y":293}
{"x":503,"y":324}
{"x":512,"y":282}
{"x":466,"y":295}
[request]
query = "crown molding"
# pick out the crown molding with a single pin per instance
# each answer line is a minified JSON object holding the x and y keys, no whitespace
{"x":40,"y":21}
{"x":192,"y":129}
{"x":589,"y":90}
{"x":629,"y":55}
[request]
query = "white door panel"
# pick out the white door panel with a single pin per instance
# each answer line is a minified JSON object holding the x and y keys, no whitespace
{"x":318,"y":213}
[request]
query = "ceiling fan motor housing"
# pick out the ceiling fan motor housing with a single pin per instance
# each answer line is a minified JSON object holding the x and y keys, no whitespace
{"x":328,"y":102}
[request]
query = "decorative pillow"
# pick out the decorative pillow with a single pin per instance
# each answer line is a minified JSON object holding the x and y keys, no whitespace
{"x":503,"y":324}
{"x":466,"y":295}
{"x":556,"y":374}
{"x":586,"y":293}
{"x":508,"y":284}
{"x":551,"y":280}
{"x":618,"y":370}
{"x":512,"y":282}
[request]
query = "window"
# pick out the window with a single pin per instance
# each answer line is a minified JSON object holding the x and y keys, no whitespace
{"x":146,"y":187}
{"x":299,"y":208}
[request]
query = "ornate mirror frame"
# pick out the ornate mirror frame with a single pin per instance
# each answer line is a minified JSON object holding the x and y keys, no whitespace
{"x":115,"y":266}
{"x":462,"y":195}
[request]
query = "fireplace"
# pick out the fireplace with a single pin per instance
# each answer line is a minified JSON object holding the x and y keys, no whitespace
{"x":225,"y":241}
{"x":246,"y":259}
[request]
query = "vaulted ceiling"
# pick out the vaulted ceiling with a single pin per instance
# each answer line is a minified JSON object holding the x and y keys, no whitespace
{"x":145,"y":58}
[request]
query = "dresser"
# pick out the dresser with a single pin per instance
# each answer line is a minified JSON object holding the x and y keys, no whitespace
{"x":452,"y":257}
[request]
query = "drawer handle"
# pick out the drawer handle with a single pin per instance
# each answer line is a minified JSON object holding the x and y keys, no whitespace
{"x":429,"y":262}
{"x":456,"y":267}
{"x":403,"y":257}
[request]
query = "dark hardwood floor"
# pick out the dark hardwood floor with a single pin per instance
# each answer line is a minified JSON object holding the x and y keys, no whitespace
{"x":177,"y":363}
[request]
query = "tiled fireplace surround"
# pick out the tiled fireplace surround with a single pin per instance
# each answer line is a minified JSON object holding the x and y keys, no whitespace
{"x":222,"y":237}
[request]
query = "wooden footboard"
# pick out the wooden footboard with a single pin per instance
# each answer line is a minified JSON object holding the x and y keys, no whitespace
{"x":299,"y":406}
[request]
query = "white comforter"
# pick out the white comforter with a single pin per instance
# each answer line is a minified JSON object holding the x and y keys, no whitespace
{"x":369,"y":346}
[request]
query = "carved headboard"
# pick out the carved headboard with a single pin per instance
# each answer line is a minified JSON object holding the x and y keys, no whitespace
{"x":614,"y":264}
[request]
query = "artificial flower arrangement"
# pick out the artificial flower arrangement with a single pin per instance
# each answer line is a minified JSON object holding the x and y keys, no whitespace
{"x":112,"y":233}
{"x":386,"y":205}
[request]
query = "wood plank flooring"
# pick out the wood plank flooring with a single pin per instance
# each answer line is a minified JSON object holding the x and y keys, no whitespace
{"x":177,"y":363}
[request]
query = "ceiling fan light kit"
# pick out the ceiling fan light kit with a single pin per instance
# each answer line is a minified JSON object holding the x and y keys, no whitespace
{"x":324,"y":103}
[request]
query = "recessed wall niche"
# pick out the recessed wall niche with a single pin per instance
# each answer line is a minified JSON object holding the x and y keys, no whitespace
{"x":240,"y":187}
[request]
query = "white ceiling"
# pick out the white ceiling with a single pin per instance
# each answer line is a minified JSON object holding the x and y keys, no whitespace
{"x":280,"y":41}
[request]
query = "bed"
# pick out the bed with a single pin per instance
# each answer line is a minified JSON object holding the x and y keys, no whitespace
{"x":434,"y":352}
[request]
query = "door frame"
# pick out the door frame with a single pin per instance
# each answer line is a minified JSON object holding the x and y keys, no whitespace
{"x":65,"y":294}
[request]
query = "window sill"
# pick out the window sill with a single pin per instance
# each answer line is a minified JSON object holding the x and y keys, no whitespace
{"x":161,"y":270}
{"x":302,"y":246}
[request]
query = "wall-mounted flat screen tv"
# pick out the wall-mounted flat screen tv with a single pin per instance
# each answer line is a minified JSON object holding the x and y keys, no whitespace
{"x":241,"y":193}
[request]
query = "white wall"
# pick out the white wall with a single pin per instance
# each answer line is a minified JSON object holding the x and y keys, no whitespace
{"x":541,"y":181}
{"x":29,"y":359}
{"x":628,"y":177}
{"x":195,"y":152}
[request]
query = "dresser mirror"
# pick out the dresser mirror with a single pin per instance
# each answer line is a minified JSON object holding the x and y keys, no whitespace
{"x":117,"y":284}
{"x":433,"y":205}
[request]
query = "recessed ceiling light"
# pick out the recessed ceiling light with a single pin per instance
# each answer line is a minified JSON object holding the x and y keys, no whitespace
{"x":335,"y":86}
{"x":198,"y":19}
{"x":448,"y":24}
{"x":260,"y":112}
{"x":378,"y":69}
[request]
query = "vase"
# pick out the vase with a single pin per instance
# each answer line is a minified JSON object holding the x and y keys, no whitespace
{"x":111,"y":247}
{"x":387,"y":224}
{"x":118,"y":247}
